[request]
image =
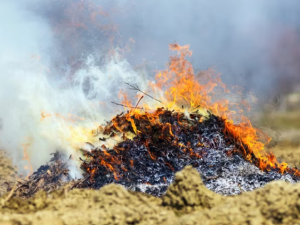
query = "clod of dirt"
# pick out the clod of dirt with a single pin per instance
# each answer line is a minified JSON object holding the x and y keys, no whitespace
{"x":279,"y":202}
{"x":188,"y":193}
{"x":276,"y":203}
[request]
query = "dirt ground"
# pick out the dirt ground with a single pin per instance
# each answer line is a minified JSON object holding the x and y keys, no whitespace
{"x":186,"y":202}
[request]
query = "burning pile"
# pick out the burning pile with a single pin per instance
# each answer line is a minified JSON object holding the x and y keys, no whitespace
{"x":151,"y":145}
{"x":198,"y":132}
{"x":165,"y":143}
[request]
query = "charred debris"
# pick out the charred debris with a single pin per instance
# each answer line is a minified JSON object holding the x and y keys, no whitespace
{"x":167,"y":141}
{"x":52,"y":176}
{"x":164,"y":142}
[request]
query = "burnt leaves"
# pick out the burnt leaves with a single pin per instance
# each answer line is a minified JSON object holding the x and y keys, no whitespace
{"x":48,"y":177}
{"x":165,"y":142}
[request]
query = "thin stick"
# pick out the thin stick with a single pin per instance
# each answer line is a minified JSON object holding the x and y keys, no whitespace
{"x":126,"y":106}
{"x":212,"y":178}
{"x":137,"y":89}
{"x":240,"y":188}
{"x":139,"y":101}
{"x":10,"y":195}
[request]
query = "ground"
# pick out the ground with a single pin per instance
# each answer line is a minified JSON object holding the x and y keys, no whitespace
{"x":186,"y":202}
{"x":284,"y":128}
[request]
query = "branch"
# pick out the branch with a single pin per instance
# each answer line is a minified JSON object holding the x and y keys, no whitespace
{"x":136,"y":88}
{"x":3,"y":201}
{"x":126,"y":106}
{"x":139,"y":101}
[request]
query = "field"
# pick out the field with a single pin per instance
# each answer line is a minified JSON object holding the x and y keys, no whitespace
{"x":284,"y":128}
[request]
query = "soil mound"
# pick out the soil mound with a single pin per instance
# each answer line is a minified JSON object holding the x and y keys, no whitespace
{"x":186,"y":202}
{"x":188,"y":193}
{"x":112,"y":204}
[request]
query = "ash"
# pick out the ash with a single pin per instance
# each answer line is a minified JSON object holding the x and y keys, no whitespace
{"x":223,"y":174}
{"x":231,"y":175}
{"x":149,"y":162}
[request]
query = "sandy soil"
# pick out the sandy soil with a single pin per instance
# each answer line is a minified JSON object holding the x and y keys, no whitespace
{"x":186,"y":202}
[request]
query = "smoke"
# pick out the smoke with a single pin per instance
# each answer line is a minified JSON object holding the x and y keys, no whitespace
{"x":43,"y":108}
{"x":62,"y":62}
{"x":255,"y":44}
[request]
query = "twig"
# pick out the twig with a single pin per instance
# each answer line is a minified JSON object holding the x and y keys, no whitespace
{"x":242,"y":191}
{"x":76,"y":185}
{"x":137,"y":89}
{"x":211,"y":178}
{"x":126,"y":106}
{"x":10,"y":195}
{"x":139,"y":101}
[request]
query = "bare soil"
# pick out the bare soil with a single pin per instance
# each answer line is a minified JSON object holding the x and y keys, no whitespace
{"x":186,"y":202}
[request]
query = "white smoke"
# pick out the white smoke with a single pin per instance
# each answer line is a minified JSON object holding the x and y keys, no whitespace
{"x":44,"y":113}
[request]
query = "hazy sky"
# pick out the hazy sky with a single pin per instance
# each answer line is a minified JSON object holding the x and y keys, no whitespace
{"x":253,"y":43}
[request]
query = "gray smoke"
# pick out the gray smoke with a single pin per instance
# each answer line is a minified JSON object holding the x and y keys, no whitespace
{"x":47,"y":105}
{"x":255,"y":44}
{"x":56,"y":58}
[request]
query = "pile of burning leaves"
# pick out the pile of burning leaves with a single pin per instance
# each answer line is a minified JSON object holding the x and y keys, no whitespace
{"x":164,"y":142}
{"x":154,"y":144}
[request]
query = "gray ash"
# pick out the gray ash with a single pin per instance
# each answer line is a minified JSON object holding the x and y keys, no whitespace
{"x":160,"y":149}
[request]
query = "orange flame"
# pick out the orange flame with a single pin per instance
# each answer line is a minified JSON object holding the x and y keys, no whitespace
{"x":26,"y":157}
{"x":180,"y":89}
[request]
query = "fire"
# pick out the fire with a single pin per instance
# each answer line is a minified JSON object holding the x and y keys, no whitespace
{"x":26,"y":157}
{"x":72,"y":128}
{"x":69,"y":117}
{"x":180,"y":89}
{"x":191,"y":97}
